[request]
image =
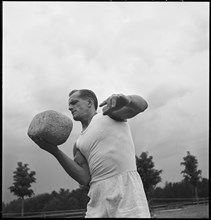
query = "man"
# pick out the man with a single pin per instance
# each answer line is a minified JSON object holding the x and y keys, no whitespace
{"x":104,"y":154}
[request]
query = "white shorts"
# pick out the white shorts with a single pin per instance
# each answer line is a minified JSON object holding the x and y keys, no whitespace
{"x":119,"y":196}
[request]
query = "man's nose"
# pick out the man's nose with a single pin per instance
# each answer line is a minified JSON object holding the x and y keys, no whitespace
{"x":70,"y":107}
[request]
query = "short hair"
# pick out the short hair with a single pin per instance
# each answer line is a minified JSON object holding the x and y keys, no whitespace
{"x":86,"y":93}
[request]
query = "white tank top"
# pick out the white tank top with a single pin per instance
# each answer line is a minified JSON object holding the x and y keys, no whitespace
{"x":108,"y":147}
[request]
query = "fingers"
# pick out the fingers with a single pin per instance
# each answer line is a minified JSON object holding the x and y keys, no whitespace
{"x":109,"y":104}
{"x":106,"y":110}
{"x":36,"y":139}
{"x":103,"y":103}
{"x":110,"y":101}
{"x":113,"y":102}
{"x":39,"y":141}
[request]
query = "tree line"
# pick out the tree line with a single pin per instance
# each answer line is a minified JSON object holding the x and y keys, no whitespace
{"x":182,"y":189}
{"x":193,"y":185}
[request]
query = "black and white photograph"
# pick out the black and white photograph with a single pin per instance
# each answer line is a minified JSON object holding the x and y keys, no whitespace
{"x":105,"y":109}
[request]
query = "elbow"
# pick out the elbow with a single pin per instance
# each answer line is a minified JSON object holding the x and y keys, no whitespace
{"x":142,"y":104}
{"x":85,"y":180}
{"x":145,"y":106}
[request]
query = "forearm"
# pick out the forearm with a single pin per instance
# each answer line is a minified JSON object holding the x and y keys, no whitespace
{"x":78,"y":172}
{"x":135,"y":105}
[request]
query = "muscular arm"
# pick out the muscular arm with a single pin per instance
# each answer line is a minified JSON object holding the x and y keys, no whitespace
{"x":121,"y":107}
{"x":78,"y":170}
{"x":81,"y":161}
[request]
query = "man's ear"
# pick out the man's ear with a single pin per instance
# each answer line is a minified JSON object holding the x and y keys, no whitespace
{"x":90,"y":102}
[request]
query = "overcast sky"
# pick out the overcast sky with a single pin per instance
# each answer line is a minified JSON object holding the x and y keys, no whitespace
{"x":156,"y":50}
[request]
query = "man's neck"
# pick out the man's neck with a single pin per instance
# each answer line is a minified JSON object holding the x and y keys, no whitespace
{"x":86,"y":122}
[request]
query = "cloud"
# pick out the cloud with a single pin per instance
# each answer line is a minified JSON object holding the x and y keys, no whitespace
{"x":158,"y":51}
{"x":163,"y":94}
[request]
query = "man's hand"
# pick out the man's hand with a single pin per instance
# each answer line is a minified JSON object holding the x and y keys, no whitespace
{"x":120,"y":107}
{"x":113,"y":103}
{"x":45,"y":145}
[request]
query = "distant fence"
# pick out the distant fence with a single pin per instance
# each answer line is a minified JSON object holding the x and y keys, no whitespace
{"x":154,"y":204}
{"x":79,"y":213}
{"x":169,"y":203}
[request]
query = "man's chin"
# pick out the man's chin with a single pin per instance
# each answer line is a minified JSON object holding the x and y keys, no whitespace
{"x":76,"y":118}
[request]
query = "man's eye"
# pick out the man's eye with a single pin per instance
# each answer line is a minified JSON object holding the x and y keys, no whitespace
{"x":73,"y":102}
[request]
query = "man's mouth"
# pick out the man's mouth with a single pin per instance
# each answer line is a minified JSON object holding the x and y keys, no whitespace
{"x":73,"y":112}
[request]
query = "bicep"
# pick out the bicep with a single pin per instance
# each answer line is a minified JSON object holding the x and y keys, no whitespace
{"x":136,"y":105}
{"x":122,"y":114}
{"x":79,"y":158}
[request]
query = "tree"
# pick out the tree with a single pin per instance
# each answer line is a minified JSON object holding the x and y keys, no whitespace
{"x":203,"y":187}
{"x":190,"y":173}
{"x":149,"y":175}
{"x":81,"y":194}
{"x":3,"y":206}
{"x":22,"y":183}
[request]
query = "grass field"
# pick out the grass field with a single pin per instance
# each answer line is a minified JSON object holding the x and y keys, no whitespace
{"x":194,"y":211}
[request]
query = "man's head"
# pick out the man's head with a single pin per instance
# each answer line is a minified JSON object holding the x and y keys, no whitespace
{"x":82,"y":103}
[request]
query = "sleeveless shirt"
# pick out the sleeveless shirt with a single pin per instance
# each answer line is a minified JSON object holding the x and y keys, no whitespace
{"x":108,"y":147}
